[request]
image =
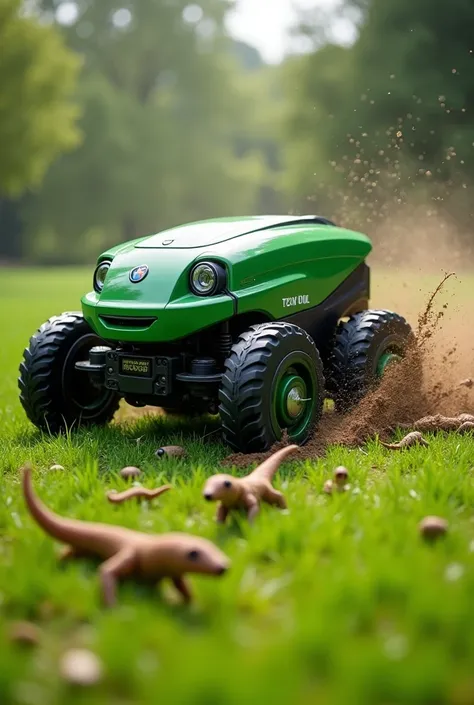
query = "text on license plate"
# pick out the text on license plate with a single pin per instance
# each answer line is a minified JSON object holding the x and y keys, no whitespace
{"x":135,"y":366}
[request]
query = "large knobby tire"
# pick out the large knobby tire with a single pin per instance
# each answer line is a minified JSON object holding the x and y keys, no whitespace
{"x":53,"y":394}
{"x":364,"y":347}
{"x":273,"y":381}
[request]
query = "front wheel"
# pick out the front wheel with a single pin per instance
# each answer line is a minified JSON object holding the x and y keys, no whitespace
{"x":365,"y":346}
{"x":273,"y":381}
{"x":54,"y":395}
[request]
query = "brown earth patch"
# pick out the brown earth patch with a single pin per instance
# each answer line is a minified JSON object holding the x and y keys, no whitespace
{"x":445,"y":351}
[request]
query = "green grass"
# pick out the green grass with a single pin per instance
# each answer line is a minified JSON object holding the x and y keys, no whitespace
{"x":336,"y":601}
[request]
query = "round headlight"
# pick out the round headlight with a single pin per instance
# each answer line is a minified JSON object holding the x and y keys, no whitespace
{"x":100,"y":275}
{"x":207,"y":278}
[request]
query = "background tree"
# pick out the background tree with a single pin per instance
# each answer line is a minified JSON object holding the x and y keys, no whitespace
{"x":390,"y":117}
{"x":37,"y":115}
{"x":162,"y":113}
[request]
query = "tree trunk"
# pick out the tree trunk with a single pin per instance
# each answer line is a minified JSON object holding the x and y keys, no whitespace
{"x":10,"y":230}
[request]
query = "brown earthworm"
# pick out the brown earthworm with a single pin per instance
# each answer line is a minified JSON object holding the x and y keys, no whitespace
{"x":138,"y":492}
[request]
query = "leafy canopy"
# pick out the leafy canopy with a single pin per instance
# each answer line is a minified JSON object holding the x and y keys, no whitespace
{"x":37,"y":114}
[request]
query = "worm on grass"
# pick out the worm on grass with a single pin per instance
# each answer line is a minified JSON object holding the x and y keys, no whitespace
{"x":138,"y":492}
{"x":411,"y":439}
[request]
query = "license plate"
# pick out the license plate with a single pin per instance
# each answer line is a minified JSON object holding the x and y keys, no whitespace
{"x":135,"y":366}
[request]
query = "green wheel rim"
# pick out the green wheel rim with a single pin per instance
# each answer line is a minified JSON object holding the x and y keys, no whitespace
{"x":293,"y":400}
{"x":385,"y":360}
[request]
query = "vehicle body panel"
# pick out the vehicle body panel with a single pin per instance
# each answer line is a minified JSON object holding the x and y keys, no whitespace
{"x":269,"y":269}
{"x":206,"y":233}
{"x":282,"y":266}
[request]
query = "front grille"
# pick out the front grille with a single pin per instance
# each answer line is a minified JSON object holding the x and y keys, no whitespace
{"x":128,"y":321}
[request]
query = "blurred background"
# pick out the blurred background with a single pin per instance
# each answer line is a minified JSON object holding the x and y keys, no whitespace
{"x":119,"y":119}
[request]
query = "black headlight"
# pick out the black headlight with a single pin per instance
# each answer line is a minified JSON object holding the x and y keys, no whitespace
{"x":207,"y":279}
{"x":100,"y":275}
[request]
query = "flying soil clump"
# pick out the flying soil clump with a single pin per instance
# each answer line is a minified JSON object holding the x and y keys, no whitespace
{"x":413,"y":394}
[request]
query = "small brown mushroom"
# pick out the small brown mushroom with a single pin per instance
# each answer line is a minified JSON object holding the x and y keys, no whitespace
{"x":25,"y":633}
{"x":328,"y":487}
{"x":411,"y":439}
{"x":341,"y":475}
{"x":432,"y":527}
{"x":170,"y":451}
{"x":81,"y":667}
{"x":130,"y":472}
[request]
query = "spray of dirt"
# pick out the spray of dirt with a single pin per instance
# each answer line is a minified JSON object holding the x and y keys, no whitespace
{"x":443,"y":356}
{"x":415,"y":246}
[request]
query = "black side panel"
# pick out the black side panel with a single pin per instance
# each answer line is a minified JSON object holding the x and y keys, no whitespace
{"x":320,"y":321}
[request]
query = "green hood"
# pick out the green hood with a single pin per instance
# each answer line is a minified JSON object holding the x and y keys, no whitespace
{"x":275,"y":265}
{"x":206,"y":233}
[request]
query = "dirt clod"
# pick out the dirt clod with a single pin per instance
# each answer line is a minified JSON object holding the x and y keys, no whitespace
{"x":433,"y":527}
{"x":424,"y":385}
{"x":81,"y":667}
{"x":130,"y":472}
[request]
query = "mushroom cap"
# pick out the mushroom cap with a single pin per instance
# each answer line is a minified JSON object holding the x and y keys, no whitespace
{"x":433,"y":526}
{"x":341,"y":474}
{"x":81,"y":667}
{"x":25,"y":633}
{"x":130,"y":471}
{"x":328,"y":487}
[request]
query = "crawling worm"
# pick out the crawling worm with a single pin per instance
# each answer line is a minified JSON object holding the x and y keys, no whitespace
{"x":466,"y":427}
{"x":138,"y":492}
{"x":437,"y":423}
{"x":410,"y":439}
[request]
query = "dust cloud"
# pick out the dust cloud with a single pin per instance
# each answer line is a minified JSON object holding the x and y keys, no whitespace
{"x":423,"y":269}
{"x":424,"y":272}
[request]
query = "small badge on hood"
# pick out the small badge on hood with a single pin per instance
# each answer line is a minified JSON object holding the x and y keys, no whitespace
{"x":138,"y":274}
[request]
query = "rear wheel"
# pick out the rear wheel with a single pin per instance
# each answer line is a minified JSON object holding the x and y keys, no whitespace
{"x":273,"y":381}
{"x":53,"y":393}
{"x":365,"y":346}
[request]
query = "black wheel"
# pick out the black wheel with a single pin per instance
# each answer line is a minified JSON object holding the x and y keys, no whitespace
{"x":53,"y":394}
{"x":365,"y":346}
{"x":273,"y":381}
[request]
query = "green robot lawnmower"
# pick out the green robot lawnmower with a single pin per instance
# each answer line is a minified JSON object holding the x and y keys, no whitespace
{"x":258,"y":319}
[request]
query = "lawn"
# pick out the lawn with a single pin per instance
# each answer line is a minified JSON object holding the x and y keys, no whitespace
{"x":335,"y":601}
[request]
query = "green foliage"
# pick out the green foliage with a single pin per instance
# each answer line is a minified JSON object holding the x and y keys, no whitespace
{"x":392,"y":115}
{"x":163,"y":108}
{"x":37,"y":115}
{"x":336,"y":601}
